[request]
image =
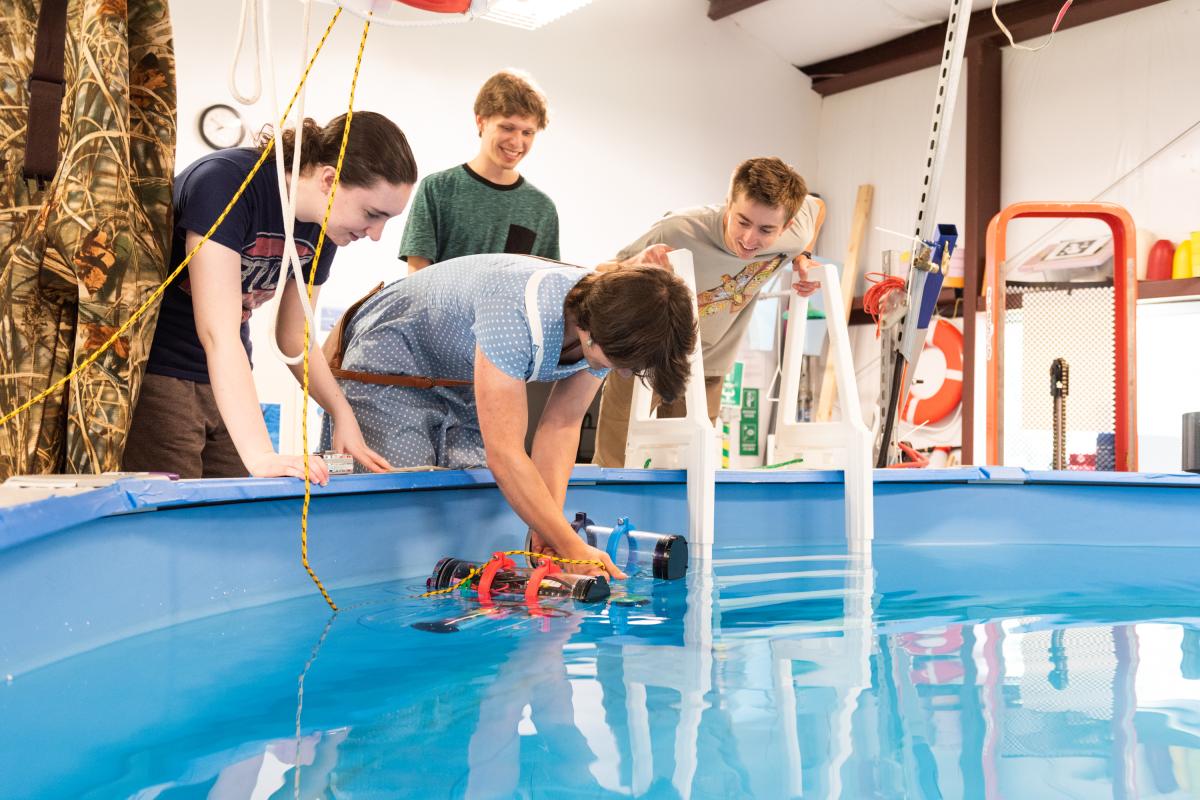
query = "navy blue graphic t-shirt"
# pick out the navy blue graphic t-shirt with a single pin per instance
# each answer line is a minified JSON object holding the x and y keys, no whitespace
{"x":253,"y":228}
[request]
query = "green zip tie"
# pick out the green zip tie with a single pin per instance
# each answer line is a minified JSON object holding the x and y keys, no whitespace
{"x":782,"y":464}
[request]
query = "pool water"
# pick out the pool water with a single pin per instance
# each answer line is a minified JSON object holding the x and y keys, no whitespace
{"x":933,"y":672}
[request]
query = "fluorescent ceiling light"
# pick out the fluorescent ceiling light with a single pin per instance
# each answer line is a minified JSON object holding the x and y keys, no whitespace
{"x":529,"y":14}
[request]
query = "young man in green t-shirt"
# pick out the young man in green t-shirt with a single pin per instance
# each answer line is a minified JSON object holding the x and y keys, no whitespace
{"x":768,"y":221}
{"x":485,"y":205}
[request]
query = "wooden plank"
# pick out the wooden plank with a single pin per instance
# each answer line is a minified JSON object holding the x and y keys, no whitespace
{"x":1026,"y":19}
{"x":899,"y":56}
{"x":858,"y":235}
{"x":719,"y":9}
{"x":1177,"y":288}
{"x":982,"y":203}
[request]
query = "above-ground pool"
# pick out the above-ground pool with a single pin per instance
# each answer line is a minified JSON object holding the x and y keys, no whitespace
{"x":1011,"y":635}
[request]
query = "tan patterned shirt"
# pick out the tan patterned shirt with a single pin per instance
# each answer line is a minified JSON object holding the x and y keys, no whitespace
{"x":727,"y":286}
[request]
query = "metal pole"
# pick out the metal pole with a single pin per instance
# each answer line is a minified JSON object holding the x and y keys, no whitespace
{"x":892,"y":370}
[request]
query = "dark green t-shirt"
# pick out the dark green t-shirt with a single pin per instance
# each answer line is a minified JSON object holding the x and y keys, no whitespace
{"x":460,"y":213}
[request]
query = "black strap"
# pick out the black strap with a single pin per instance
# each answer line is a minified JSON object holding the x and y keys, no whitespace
{"x":46,"y":88}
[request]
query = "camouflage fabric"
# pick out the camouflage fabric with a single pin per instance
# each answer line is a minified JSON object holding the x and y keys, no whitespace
{"x":79,"y":256}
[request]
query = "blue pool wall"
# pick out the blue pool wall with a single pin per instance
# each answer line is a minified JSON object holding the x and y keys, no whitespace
{"x":85,"y":570}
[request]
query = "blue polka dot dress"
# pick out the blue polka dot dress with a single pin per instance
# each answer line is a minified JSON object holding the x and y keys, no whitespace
{"x":428,"y":324}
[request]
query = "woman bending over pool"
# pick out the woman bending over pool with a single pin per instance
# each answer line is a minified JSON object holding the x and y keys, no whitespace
{"x":197,"y":413}
{"x":434,"y":367}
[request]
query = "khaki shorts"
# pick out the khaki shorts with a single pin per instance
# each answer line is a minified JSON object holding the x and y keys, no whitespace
{"x":616,"y":398}
{"x":177,"y":428}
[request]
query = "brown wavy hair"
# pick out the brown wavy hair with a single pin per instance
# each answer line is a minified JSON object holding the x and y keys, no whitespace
{"x":643,"y":319}
{"x":512,"y":93}
{"x":771,"y":182}
{"x":376,"y":149}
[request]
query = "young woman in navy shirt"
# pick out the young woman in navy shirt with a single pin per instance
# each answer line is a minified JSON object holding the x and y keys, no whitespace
{"x":197,"y":413}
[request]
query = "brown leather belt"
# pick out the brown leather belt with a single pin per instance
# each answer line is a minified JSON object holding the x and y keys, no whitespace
{"x":335,"y":345}
{"x":415,"y":381}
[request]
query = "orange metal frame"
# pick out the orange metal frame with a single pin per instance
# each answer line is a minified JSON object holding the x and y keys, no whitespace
{"x":1125,"y":286}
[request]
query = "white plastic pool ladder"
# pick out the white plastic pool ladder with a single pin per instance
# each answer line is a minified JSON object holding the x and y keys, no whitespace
{"x":689,"y":442}
{"x":841,"y":444}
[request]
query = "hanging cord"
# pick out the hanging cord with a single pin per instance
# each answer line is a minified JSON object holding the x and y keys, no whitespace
{"x":157,"y":293}
{"x":877,"y":299}
{"x":290,"y":264}
{"x":312,"y":273}
{"x":249,"y":12}
{"x":919,"y":460}
{"x":527,"y":553}
{"x":1036,"y":243}
{"x":907,"y":237}
{"x":1062,"y":12}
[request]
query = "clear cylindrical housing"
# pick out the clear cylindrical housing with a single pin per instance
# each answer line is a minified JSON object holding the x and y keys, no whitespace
{"x":662,"y":555}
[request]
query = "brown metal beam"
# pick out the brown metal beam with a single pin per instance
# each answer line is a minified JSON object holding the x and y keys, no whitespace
{"x":1025,"y":18}
{"x":719,"y":9}
{"x":982,"y":203}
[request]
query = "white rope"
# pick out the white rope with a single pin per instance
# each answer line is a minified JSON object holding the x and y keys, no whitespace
{"x":1011,"y":262}
{"x":290,"y":267}
{"x":290,"y":264}
{"x":249,"y":11}
{"x":907,"y":237}
{"x":1008,"y":34}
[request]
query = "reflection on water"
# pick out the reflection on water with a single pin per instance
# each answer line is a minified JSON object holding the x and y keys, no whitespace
{"x":930,"y":673}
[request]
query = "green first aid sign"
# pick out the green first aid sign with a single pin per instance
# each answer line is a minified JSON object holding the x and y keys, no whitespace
{"x":731,"y":389}
{"x":750,"y":402}
{"x":748,"y":427}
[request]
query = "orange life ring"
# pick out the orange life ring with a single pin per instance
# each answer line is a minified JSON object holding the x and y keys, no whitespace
{"x":937,"y":387}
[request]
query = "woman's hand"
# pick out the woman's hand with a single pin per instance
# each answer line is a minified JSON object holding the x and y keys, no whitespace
{"x":348,"y":439}
{"x":272,"y":465}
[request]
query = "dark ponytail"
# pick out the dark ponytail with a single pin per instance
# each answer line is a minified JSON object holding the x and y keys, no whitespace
{"x":377,"y":149}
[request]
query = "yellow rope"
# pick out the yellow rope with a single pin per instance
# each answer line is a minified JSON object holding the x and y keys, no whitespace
{"x":476,"y":570}
{"x":312,"y":274}
{"x":157,"y":293}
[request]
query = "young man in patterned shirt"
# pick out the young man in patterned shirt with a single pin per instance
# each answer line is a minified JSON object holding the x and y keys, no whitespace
{"x":768,"y":220}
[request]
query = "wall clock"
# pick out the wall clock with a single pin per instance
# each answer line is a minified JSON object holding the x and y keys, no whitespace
{"x":221,"y":127}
